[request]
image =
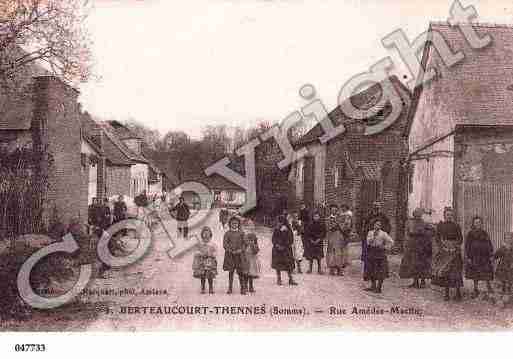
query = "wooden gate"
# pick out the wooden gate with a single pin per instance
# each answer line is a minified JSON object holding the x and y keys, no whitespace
{"x":369,"y":192}
{"x":493,"y":202}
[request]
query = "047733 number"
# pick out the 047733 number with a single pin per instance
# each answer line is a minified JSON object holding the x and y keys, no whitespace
{"x":30,"y":348}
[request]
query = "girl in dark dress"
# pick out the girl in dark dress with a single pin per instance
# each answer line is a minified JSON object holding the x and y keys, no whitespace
{"x":416,"y":262}
{"x":376,"y":270}
{"x":282,"y":257}
{"x":448,"y":261}
{"x":315,"y":232}
{"x":478,"y":254}
{"x":234,"y":258}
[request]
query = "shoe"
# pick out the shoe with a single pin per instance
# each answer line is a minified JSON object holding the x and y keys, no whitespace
{"x":279,"y":281}
{"x":291,"y":282}
{"x":309,"y":271}
{"x":211,"y":291}
{"x":340,"y":274}
{"x":414,"y":285}
{"x":320,"y":272}
{"x":229,"y":291}
{"x":458,"y":297}
{"x":251,"y":290}
{"x":370,"y":289}
{"x":242,"y":292}
{"x":475,"y":294}
{"x":203,"y":291}
{"x":423,"y":284}
{"x":378,"y":290}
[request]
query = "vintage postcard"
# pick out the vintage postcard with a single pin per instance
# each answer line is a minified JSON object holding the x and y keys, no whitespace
{"x":255,"y":165}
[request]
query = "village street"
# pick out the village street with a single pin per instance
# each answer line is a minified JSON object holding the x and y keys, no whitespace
{"x":158,"y":272}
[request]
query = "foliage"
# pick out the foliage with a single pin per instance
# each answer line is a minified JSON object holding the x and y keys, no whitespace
{"x":46,"y":32}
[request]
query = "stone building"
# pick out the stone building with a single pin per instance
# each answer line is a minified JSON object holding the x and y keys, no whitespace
{"x":461,"y":135}
{"x":356,"y":168}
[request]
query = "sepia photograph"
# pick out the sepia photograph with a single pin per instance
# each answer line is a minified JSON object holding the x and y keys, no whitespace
{"x":256,"y":166}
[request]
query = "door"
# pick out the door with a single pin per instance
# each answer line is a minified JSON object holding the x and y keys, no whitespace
{"x":369,"y":192}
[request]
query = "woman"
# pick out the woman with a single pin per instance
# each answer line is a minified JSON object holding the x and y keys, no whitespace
{"x":282,"y":258}
{"x":416,"y":262}
{"x":448,"y":261}
{"x":478,"y":254}
{"x":315,"y":232}
{"x":335,"y":251}
{"x":376,"y":270}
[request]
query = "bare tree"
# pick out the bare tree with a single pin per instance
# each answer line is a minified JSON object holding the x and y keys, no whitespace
{"x":48,"y":32}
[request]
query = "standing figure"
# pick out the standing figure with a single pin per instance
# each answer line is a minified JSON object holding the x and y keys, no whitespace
{"x":367,"y":225}
{"x":335,"y":259}
{"x":376,"y":270}
{"x":478,"y":254}
{"x":105,"y":219}
{"x":120,"y":209}
{"x":304,"y":214}
{"x":282,"y":257}
{"x":315,"y":232}
{"x":416,"y":262}
{"x":204,"y":265}
{"x":224,"y":214}
{"x":253,"y":261}
{"x":504,"y":271}
{"x":182,"y":216}
{"x":92,"y":213}
{"x":298,"y":248}
{"x":447,"y":259}
{"x":234,"y":258}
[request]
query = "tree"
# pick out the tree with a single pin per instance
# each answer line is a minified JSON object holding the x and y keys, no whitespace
{"x":47,"y":32}
{"x":149,"y":136}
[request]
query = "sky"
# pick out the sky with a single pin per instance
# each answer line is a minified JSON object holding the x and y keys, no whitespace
{"x":182,"y":65}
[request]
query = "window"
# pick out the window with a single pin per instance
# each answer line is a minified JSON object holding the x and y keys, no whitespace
{"x":230,"y":196}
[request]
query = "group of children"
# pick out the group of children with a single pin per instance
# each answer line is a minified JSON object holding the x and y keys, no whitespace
{"x":240,"y":256}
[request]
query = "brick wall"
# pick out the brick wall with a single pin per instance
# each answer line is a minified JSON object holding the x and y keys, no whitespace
{"x":56,"y":116}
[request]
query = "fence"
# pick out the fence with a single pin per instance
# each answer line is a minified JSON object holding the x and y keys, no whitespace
{"x":491,"y":201}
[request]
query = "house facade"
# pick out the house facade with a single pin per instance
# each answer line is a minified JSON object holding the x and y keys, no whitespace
{"x":461,"y":132}
{"x":355,"y":168}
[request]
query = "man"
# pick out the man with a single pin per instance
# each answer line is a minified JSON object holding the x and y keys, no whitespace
{"x":304,"y":214}
{"x":92,"y":213}
{"x":182,"y":215}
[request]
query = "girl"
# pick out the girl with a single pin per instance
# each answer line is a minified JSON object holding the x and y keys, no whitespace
{"x":253,"y":262}
{"x":282,"y":258}
{"x":479,"y":252}
{"x":315,"y":233}
{"x":504,"y":271}
{"x":377,"y":264}
{"x":234,"y":258}
{"x":298,"y":250}
{"x":204,"y":265}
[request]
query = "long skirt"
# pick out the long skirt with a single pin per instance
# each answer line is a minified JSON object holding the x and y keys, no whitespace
{"x":313,"y":251}
{"x":376,"y":267}
{"x":335,"y":252}
{"x":479,"y":269}
{"x":235,"y":262}
{"x":254,"y":266}
{"x":416,"y":262}
{"x":282,"y":260}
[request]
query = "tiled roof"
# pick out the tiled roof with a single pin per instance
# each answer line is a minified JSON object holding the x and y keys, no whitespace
{"x":363,"y":100}
{"x":215,"y":182}
{"x":131,"y":155}
{"x":479,"y":89}
{"x":123,"y":132}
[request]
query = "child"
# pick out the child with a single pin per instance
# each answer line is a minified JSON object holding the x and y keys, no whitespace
{"x":204,"y":265}
{"x":234,"y":256}
{"x":282,"y":258}
{"x":297,"y":248}
{"x":504,"y":271}
{"x":223,"y":217}
{"x":377,"y":264}
{"x":315,"y":233}
{"x":253,"y":262}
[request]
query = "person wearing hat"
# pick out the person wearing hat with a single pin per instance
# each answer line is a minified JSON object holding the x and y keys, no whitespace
{"x":234,"y":258}
{"x":416,"y":262}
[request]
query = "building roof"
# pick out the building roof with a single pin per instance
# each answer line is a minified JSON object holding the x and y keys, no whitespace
{"x":122,"y":131}
{"x":363,"y":100}
{"x":111,"y":135}
{"x":215,"y":182}
{"x":478,"y":90}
